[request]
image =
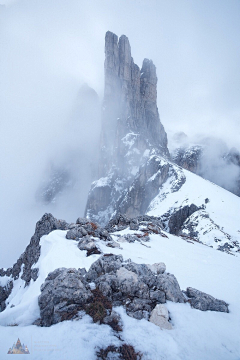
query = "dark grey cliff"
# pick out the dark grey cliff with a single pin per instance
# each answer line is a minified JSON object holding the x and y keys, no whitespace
{"x":131,"y":127}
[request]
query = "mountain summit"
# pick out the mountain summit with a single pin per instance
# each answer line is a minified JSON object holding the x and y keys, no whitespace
{"x":131,"y":127}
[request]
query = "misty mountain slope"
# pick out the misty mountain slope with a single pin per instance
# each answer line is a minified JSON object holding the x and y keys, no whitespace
{"x":210,"y":158}
{"x":215,"y":223}
{"x":195,"y":334}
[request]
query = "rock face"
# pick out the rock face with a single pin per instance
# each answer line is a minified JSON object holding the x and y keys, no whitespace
{"x":131,"y":128}
{"x":189,"y":158}
{"x":63,"y":294}
{"x":31,"y":255}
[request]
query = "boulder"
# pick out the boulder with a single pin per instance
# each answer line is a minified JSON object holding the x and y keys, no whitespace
{"x":169,"y":284}
{"x":202,"y":301}
{"x":160,"y":317}
{"x":63,"y":294}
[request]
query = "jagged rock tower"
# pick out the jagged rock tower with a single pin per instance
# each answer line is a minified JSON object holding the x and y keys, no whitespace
{"x":131,"y":127}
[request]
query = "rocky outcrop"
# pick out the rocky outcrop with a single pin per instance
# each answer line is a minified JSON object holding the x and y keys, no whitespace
{"x":110,"y":281}
{"x":31,"y":255}
{"x":147,"y":184}
{"x":201,"y":301}
{"x":189,"y":158}
{"x":131,"y":127}
{"x":63,"y":294}
{"x":5,"y":291}
{"x":209,"y":158}
{"x":177,"y":218}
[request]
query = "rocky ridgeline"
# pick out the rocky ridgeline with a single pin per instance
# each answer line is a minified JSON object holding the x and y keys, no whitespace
{"x":142,"y":289}
{"x":25,"y":264}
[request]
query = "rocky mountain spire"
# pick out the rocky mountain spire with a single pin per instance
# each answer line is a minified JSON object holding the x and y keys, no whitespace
{"x":131,"y":127}
{"x":129,"y":106}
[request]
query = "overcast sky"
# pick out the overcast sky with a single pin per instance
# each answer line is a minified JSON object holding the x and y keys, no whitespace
{"x":50,"y":47}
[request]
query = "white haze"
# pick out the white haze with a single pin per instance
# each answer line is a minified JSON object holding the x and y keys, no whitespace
{"x":214,"y":164}
{"x":49,"y":48}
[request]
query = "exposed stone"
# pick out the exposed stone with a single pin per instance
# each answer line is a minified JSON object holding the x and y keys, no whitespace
{"x":160,"y":317}
{"x":157,"y":268}
{"x":5,"y":291}
{"x":31,"y":255}
{"x":63,"y":294}
{"x":124,"y":274}
{"x":177,"y":218}
{"x":169,"y":284}
{"x":112,"y":282}
{"x":131,"y":127}
{"x":108,"y":263}
{"x":189,"y":158}
{"x":202,"y":301}
{"x":86,"y":243}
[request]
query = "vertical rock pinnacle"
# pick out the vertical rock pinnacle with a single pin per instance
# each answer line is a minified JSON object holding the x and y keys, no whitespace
{"x":131,"y":126}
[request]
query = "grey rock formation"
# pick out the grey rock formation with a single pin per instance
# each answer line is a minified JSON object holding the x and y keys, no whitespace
{"x":131,"y":128}
{"x":179,"y":216}
{"x":84,"y":227}
{"x":31,"y":255}
{"x":201,"y":301}
{"x":5,"y":291}
{"x":168,"y":283}
{"x":115,"y":282}
{"x":147,"y":183}
{"x":63,"y":294}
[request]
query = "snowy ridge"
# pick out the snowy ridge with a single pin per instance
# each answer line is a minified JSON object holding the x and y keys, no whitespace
{"x":195,"y":334}
{"x":216,"y":225}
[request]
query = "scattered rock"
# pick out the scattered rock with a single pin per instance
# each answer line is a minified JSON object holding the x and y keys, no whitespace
{"x":201,"y":301}
{"x":160,"y":317}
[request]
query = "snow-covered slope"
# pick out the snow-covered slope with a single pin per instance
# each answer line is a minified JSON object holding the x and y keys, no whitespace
{"x":195,"y":334}
{"x":217,"y":220}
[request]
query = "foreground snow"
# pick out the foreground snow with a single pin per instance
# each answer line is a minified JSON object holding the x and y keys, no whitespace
{"x":196,"y":335}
